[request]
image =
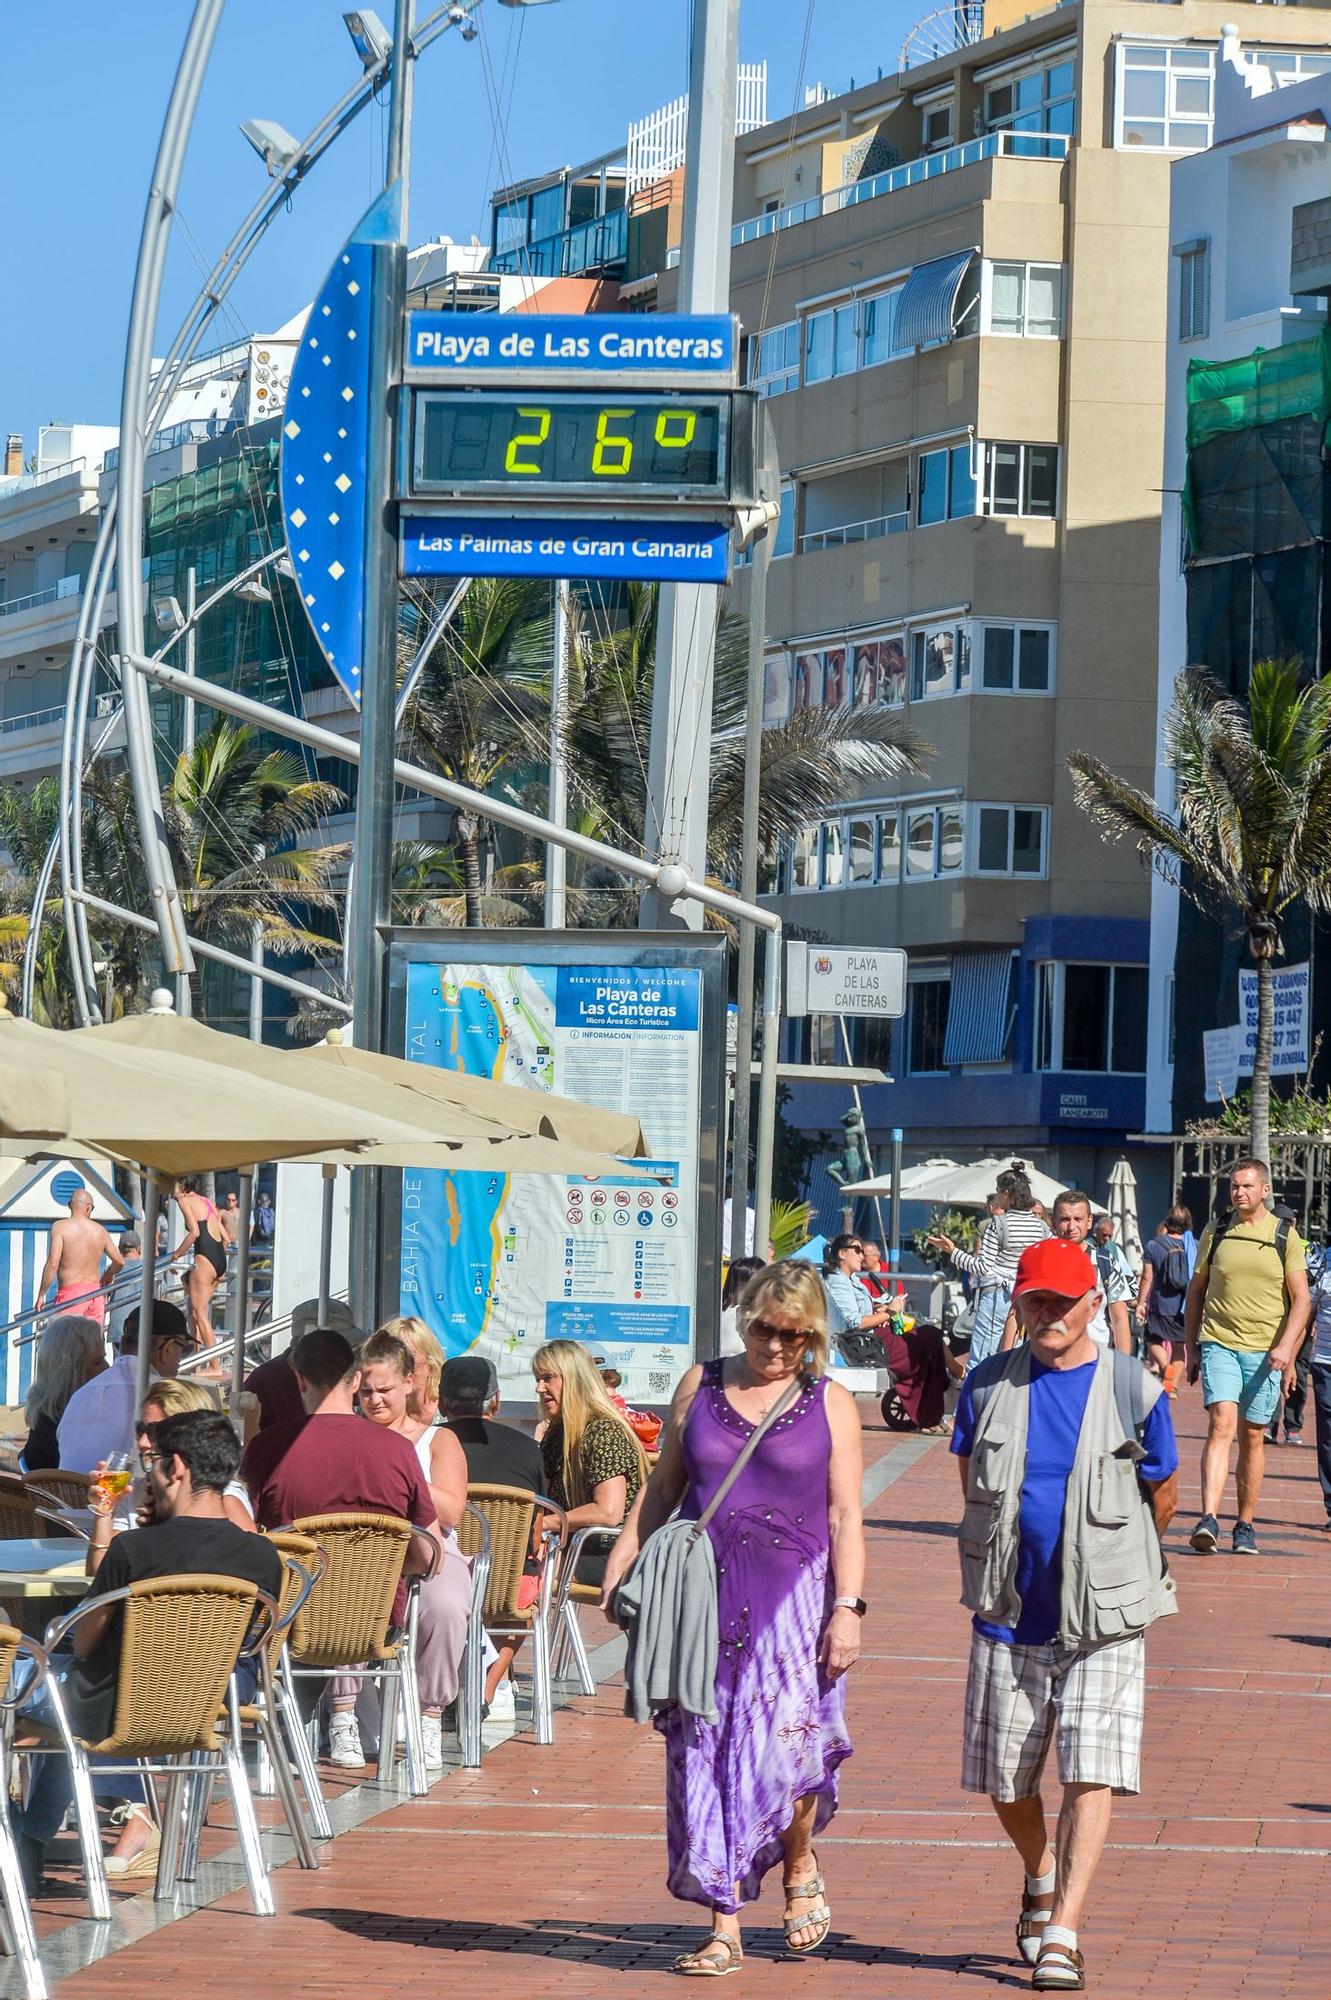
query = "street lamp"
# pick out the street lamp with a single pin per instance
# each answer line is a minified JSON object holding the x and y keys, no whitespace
{"x":371,"y":39}
{"x":273,"y":143}
{"x":254,"y":591}
{"x":168,"y":615}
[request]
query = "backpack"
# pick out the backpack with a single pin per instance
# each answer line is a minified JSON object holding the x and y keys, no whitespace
{"x":1174,"y":1275}
{"x":1277,"y":1243}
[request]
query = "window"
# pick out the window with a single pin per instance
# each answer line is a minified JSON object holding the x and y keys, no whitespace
{"x":1020,"y":479}
{"x":1016,"y":659}
{"x":832,"y":854}
{"x":1043,"y":100}
{"x":871,"y":1041}
{"x":926,"y":1025}
{"x":1194,"y":289}
{"x":879,"y":328}
{"x":1164,"y":98}
{"x":889,"y":847}
{"x":1026,"y":299}
{"x":936,"y":127}
{"x":1091,"y":1019}
{"x":1010,"y":840}
{"x":804,"y":859}
{"x":935,"y":842}
{"x":1293,"y":65}
{"x":945,"y":485}
{"x":785,"y":527}
{"x":774,"y":359}
{"x":860,"y":851}
{"x":824,"y":1038}
{"x":830,"y":344}
{"x":940,"y":662}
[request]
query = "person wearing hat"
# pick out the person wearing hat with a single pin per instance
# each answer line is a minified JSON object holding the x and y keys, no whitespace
{"x":497,"y":1455}
{"x":1069,"y":1471}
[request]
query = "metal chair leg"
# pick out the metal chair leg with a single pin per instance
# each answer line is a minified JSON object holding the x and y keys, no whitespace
{"x":471,"y":1701}
{"x":571,"y":1635}
{"x":198,"y":1795}
{"x":18,"y":1916}
{"x":270,"y":1737}
{"x":540,"y":1676}
{"x":388,"y":1703}
{"x":298,"y":1744}
{"x":247,"y":1826}
{"x":90,"y":1838}
{"x":417,"y":1781}
{"x":172,"y":1855}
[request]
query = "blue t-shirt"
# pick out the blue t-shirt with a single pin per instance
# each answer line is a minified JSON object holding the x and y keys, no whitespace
{"x":1057,"y":1406}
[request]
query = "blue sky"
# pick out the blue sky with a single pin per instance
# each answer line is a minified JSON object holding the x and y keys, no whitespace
{"x":86,"y":82}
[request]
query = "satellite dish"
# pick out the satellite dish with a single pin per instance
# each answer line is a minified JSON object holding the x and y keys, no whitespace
{"x":943,"y":32}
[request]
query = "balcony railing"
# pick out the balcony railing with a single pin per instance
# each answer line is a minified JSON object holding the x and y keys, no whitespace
{"x":587,"y":247}
{"x":68,"y":586}
{"x":194,"y":430}
{"x":37,"y":718}
{"x":993,"y":146}
{"x":855,"y":531}
{"x":23,"y":482}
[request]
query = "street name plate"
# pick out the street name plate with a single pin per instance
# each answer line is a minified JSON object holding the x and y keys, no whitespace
{"x":686,"y":349}
{"x":832,"y":979}
{"x":681,"y":550}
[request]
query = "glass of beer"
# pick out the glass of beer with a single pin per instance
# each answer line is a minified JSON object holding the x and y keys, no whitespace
{"x":116,"y":1476}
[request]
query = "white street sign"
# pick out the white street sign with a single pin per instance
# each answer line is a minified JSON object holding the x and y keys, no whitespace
{"x":834,"y":979}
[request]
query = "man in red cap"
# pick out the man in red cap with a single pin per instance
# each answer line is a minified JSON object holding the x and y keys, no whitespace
{"x":1069,"y":1469}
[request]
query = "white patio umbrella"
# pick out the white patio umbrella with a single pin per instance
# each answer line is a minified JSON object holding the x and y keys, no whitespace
{"x":970,"y":1185}
{"x":1123,"y":1208}
{"x":911,"y":1177}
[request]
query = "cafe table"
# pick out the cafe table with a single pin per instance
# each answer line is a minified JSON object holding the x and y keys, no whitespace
{"x":32,"y":1573}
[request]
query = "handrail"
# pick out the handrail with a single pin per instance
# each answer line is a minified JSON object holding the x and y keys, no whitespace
{"x":855,"y":531}
{"x":23,"y":482}
{"x":51,"y":595}
{"x":993,"y":145}
{"x":68,"y":1308}
{"x":223,"y":1348}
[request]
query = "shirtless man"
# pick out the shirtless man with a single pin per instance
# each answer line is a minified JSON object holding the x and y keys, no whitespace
{"x":74,"y":1262}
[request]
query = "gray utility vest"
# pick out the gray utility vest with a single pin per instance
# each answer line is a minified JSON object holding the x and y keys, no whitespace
{"x":1112,"y":1567}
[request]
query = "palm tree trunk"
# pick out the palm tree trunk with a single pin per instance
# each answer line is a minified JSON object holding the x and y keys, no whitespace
{"x":471,"y":869}
{"x":1259,"y":1137}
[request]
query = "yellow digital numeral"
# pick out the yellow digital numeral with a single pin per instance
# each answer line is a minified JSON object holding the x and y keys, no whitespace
{"x":688,"y":422}
{"x":603,"y":465}
{"x":535,"y":439}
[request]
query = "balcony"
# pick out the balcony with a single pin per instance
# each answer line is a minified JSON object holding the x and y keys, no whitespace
{"x":855,"y":531}
{"x":194,"y":430}
{"x":68,"y":586}
{"x":993,"y":146}
{"x":590,"y":246}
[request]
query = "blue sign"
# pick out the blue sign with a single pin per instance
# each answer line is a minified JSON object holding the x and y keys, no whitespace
{"x":696,"y":347}
{"x":497,"y":545}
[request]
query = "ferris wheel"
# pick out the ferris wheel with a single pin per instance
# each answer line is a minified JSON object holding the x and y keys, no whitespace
{"x":943,"y":32}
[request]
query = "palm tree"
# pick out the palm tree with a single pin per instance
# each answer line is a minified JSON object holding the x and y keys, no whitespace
{"x":1251,"y":826}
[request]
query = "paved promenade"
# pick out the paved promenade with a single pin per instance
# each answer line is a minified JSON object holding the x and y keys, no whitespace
{"x":542,"y":1873}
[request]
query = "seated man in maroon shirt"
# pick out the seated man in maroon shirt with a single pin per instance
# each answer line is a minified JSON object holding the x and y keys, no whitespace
{"x":274,"y":1382}
{"x":331,"y":1461}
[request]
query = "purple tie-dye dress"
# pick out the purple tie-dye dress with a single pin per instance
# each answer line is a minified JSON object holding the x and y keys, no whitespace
{"x":780,"y":1732}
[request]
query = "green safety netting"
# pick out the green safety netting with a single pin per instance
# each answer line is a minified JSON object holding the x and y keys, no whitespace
{"x":1259,"y":388}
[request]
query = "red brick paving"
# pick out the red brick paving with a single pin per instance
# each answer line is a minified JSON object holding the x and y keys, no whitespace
{"x":1214,"y":1885}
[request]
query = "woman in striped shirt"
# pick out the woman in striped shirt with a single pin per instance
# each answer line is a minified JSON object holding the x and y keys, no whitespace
{"x":1012,"y":1227}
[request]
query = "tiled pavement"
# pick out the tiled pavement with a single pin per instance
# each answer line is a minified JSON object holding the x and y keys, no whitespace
{"x":1215,"y":1883}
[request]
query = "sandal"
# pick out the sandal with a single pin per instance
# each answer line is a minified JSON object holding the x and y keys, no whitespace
{"x":699,"y":1964}
{"x":1058,"y":1969}
{"x":1035,"y":1914}
{"x":819,"y":1918}
{"x":132,"y":1867}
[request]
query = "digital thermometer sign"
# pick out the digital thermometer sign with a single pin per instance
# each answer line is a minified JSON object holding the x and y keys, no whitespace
{"x":547,"y":443}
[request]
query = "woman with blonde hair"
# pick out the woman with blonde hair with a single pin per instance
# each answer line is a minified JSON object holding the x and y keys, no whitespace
{"x":415,"y":1335}
{"x":754,"y":1787}
{"x":70,"y":1352}
{"x":594,"y":1464}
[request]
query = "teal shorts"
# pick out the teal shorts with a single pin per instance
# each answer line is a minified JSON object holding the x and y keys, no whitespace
{"x":1240,"y":1375}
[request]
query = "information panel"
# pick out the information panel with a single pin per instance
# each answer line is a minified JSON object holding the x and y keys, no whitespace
{"x":523,"y":442}
{"x":497,"y":1263}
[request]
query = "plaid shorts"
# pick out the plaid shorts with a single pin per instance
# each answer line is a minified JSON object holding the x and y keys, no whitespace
{"x":1019,"y":1699}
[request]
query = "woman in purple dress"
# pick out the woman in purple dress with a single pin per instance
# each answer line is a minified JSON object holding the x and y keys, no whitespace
{"x":755,"y":1786}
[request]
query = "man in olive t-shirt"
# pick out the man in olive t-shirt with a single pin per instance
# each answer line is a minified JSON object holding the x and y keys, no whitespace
{"x":1244,"y":1317}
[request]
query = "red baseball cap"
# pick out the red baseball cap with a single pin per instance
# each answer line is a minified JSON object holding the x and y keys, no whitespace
{"x":1055,"y":1266}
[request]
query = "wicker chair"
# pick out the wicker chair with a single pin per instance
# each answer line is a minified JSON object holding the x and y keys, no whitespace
{"x":59,"y":1489}
{"x":344,"y":1626}
{"x":18,"y":1516}
{"x":181,"y":1637}
{"x":18,"y":1916}
{"x":509,"y":1512}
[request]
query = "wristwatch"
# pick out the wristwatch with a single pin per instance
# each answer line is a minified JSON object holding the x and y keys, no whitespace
{"x":855,"y":1604}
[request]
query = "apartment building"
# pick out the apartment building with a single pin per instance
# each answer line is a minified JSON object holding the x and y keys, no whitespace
{"x":956,"y":284}
{"x":1249,"y":280}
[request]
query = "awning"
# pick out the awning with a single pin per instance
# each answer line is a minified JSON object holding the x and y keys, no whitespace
{"x":979,"y":1013}
{"x":928,"y":299}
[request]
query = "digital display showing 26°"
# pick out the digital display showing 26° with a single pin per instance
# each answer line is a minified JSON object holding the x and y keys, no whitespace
{"x":551,"y":443}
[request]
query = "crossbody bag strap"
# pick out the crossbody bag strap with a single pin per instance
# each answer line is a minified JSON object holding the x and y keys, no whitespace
{"x":781,"y":1404}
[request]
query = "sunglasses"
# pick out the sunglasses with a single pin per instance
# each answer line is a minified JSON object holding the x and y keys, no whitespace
{"x":761,"y":1329}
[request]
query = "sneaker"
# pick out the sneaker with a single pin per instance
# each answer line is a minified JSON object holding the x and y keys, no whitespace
{"x":344,"y":1743}
{"x":1205,"y":1535}
{"x":432,"y":1730}
{"x":1293,"y":1437}
{"x":1245,"y":1541}
{"x":503,"y":1705}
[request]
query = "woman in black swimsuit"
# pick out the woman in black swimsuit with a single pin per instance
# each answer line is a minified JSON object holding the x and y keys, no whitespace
{"x":205,"y":1235}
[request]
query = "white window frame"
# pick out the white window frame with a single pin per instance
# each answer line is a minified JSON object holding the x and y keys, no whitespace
{"x":1017,"y":626}
{"x":1012,"y":78}
{"x":1202,"y":124}
{"x":1053,"y":971}
{"x":782,"y":380}
{"x":988,"y":267}
{"x":952,"y":513}
{"x":985,"y":483}
{"x":840,"y":309}
{"x":1008,"y":872}
{"x":962,"y":648}
{"x":938,"y":142}
{"x":1194,"y":288}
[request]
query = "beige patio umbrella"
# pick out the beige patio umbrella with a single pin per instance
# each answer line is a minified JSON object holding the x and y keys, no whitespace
{"x":510,"y":1103}
{"x":34,"y":1103}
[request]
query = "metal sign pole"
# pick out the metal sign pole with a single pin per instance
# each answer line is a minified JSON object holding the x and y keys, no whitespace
{"x":556,"y":860}
{"x":687,"y":614}
{"x":372,"y":889}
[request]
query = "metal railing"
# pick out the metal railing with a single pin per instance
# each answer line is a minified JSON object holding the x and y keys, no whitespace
{"x":36,"y":718}
{"x":68,"y":586}
{"x":855,"y":531}
{"x":68,"y":1308}
{"x":23,"y":482}
{"x":193,"y":430}
{"x":603,"y":239}
{"x":993,"y":146}
{"x":261,"y":1336}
